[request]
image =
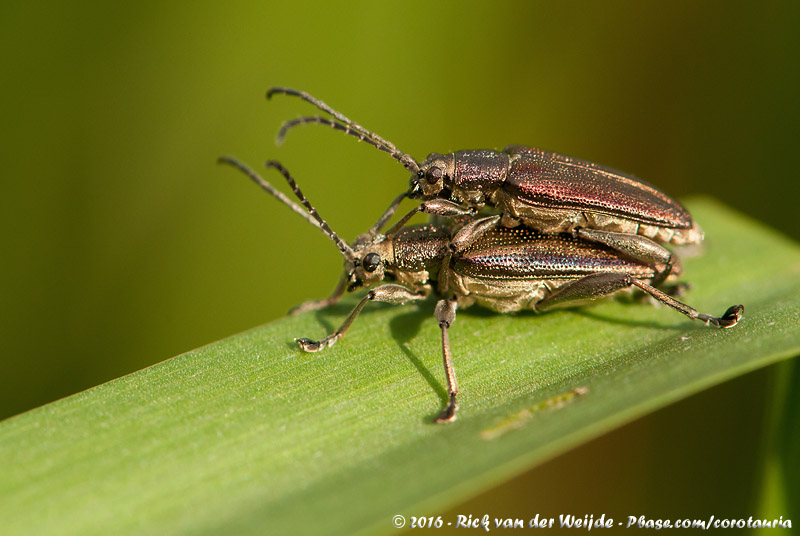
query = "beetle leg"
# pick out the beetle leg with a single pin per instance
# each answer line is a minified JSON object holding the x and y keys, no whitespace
{"x":471,"y":232}
{"x":385,"y":293}
{"x":635,"y":247}
{"x":600,"y":284}
{"x":446,"y":314}
{"x":313,"y":305}
{"x":436,"y":207}
{"x":729,"y":319}
{"x":464,"y":237}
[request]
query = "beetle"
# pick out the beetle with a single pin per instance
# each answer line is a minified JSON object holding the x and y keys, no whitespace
{"x":473,"y":260}
{"x":544,"y":190}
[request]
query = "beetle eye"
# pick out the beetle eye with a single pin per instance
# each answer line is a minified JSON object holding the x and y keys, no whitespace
{"x":433,"y":175}
{"x":371,"y":262}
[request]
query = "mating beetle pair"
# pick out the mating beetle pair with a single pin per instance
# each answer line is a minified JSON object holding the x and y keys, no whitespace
{"x":569,"y":231}
{"x":546,"y":191}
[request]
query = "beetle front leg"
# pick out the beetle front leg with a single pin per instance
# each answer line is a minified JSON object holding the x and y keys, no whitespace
{"x":313,"y":305}
{"x":635,"y":247}
{"x":601,"y":284}
{"x":434,"y":207}
{"x":446,"y":314}
{"x":385,"y":293}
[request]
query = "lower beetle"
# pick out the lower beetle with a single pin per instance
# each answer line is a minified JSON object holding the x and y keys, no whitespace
{"x":476,"y":261}
{"x":546,"y":191}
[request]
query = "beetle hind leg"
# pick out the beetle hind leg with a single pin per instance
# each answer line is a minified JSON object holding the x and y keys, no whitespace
{"x":635,"y":247}
{"x":676,"y":290}
{"x":728,"y":319}
{"x":601,"y":284}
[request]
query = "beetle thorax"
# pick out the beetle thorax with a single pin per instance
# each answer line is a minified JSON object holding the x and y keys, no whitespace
{"x":477,"y":174}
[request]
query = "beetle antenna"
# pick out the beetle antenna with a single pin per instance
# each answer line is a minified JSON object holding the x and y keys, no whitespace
{"x":346,"y":250}
{"x":409,"y":163}
{"x":325,"y":108}
{"x":231,"y":161}
{"x":308,"y":213}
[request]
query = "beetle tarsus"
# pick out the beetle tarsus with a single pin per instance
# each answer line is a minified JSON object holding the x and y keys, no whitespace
{"x":311,"y":346}
{"x":727,"y":320}
{"x":449,"y":412}
{"x":731,"y":316}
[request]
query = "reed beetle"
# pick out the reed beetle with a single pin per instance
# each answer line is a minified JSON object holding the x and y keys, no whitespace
{"x":473,"y":260}
{"x":544,"y":190}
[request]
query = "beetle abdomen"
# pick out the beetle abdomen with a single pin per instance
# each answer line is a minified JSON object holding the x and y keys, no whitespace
{"x":521,"y":253}
{"x":552,"y":180}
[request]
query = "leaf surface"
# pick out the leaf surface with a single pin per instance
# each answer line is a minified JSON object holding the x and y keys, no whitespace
{"x":250,"y":435}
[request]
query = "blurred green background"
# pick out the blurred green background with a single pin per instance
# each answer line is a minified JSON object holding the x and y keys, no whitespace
{"x":125,"y":244}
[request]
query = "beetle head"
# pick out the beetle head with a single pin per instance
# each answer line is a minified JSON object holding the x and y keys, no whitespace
{"x":434,"y":175}
{"x":369,"y":264}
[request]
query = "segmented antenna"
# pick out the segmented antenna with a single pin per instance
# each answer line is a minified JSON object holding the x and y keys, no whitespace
{"x":309,"y":213}
{"x":346,"y":250}
{"x":344,"y":124}
{"x":409,"y":163}
{"x":387,"y":215}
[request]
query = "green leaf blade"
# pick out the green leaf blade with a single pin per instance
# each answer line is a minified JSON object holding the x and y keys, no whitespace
{"x":250,"y":435}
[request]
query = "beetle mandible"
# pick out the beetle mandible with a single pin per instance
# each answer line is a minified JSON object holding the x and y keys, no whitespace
{"x":475,"y":261}
{"x":544,"y":190}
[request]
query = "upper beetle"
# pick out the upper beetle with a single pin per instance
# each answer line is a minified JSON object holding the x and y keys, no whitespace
{"x":544,"y":190}
{"x":554,"y":193}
